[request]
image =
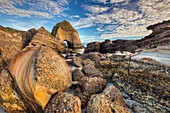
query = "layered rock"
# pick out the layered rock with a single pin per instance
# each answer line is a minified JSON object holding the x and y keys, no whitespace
{"x":88,"y":86}
{"x":39,"y":72}
{"x":64,"y":31}
{"x":109,"y":101}
{"x":64,"y":103}
{"x":27,"y":36}
{"x":44,"y":38}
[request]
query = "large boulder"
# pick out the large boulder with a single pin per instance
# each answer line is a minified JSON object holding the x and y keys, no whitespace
{"x":64,"y":103}
{"x":64,"y":31}
{"x":109,"y":101}
{"x":27,"y":37}
{"x":88,"y":86}
{"x":93,"y":47}
{"x":44,"y":38}
{"x":39,"y":72}
{"x":77,"y":75}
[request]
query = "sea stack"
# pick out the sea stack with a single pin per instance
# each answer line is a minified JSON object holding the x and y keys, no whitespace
{"x":64,"y":31}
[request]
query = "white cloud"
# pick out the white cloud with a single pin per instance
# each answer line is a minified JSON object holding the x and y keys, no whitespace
{"x":39,"y":8}
{"x":75,"y":16}
{"x":126,"y":21}
{"x":95,"y":9}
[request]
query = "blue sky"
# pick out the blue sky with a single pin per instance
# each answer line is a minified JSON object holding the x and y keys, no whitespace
{"x":95,"y":20}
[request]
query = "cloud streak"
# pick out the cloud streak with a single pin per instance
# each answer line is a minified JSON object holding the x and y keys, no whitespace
{"x":124,"y":20}
{"x":38,"y":8}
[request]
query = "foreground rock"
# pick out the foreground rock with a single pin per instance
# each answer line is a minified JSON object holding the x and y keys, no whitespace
{"x":64,"y":31}
{"x":88,"y":86}
{"x":9,"y":98}
{"x":64,"y":103}
{"x":44,"y":38}
{"x":77,"y":75}
{"x":109,"y":101}
{"x":39,"y":72}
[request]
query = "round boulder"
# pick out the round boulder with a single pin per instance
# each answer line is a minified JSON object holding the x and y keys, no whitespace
{"x":77,"y":74}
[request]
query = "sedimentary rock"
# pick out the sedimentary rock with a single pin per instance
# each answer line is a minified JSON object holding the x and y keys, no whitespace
{"x":77,"y":61}
{"x":44,"y":38}
{"x":93,"y":47}
{"x":27,"y":37}
{"x":88,"y":86}
{"x":94,"y":56}
{"x":63,"y":31}
{"x":64,"y":103}
{"x":88,"y":62}
{"x":39,"y":72}
{"x":109,"y":101}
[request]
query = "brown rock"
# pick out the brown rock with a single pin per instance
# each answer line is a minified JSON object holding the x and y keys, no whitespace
{"x":88,"y":62}
{"x":77,"y":75}
{"x":64,"y":31}
{"x":109,"y":101}
{"x":64,"y":103}
{"x":92,"y":71}
{"x":10,"y":100}
{"x":77,"y":61}
{"x":10,"y":45}
{"x":27,"y":37}
{"x":93,"y":47}
{"x":39,"y":72}
{"x":88,"y":86}
{"x":44,"y":38}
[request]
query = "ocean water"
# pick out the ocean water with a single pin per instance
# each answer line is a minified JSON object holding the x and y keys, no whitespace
{"x":160,"y":57}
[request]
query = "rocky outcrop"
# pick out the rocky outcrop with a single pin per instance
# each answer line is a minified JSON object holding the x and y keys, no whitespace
{"x":38,"y":73}
{"x":88,"y":86}
{"x":27,"y":37}
{"x":109,"y":101}
{"x":64,"y":103}
{"x":10,"y":45}
{"x":44,"y":38}
{"x":160,"y":36}
{"x":64,"y":31}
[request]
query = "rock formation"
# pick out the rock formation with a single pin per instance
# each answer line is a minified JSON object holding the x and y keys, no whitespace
{"x":10,"y":44}
{"x":27,"y":36}
{"x":44,"y":38}
{"x":160,"y":36}
{"x":63,"y":31}
{"x":38,"y":73}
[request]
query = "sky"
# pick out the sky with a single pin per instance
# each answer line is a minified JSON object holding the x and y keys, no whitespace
{"x":95,"y":20}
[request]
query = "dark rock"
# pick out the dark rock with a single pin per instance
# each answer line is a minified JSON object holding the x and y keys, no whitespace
{"x":94,"y":56}
{"x":27,"y":37}
{"x":93,"y":47}
{"x":92,"y":71}
{"x":88,"y":86}
{"x":63,"y":103}
{"x":77,"y":75}
{"x":64,"y":31}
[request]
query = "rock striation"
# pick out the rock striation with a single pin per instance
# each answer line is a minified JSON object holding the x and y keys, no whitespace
{"x":38,"y":73}
{"x":160,"y":36}
{"x":64,"y":31}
